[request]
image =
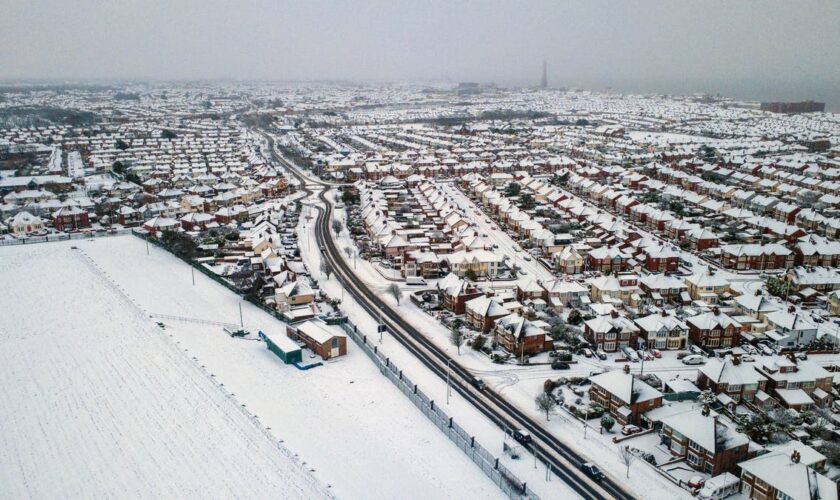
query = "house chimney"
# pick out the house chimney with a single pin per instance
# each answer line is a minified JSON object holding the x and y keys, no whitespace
{"x":613,"y":314}
{"x":664,"y":313}
{"x":795,"y":457}
{"x":791,"y":309}
{"x":716,"y":311}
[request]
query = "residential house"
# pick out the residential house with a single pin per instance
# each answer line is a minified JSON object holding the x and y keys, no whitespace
{"x":624,"y":396}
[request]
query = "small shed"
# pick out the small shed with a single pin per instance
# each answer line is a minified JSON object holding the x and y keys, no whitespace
{"x":324,"y":340}
{"x":284,"y":347}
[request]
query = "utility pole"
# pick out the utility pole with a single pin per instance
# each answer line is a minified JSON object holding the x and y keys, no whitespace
{"x":586,"y":422}
{"x":241,"y":322}
{"x":147,"y":245}
{"x":193,"y":274}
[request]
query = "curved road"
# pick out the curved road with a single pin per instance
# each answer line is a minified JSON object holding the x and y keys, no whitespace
{"x":564,"y":461}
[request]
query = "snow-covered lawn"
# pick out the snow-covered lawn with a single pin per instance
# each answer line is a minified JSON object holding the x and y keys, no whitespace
{"x":344,"y":419}
{"x":96,"y":401}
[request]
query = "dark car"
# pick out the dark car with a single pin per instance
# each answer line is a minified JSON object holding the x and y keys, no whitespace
{"x":559,"y":365}
{"x":522,"y":436}
{"x":592,"y":471}
{"x":478,"y":383}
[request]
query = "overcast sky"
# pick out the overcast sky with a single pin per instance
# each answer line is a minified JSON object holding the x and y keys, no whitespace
{"x":786,"y":48}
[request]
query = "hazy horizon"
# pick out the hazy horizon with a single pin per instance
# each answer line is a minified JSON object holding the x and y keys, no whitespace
{"x":750,"y":49}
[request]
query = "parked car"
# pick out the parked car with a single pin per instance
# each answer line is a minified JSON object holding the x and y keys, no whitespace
{"x":592,"y":471}
{"x":601,"y":355}
{"x":694,"y":359}
{"x":696,"y":482}
{"x":630,"y":429}
{"x":559,"y":365}
{"x":767,"y":350}
{"x":656,"y":353}
{"x":749,"y":348}
{"x":693,"y":349}
{"x":495,"y":245}
{"x":527,"y":257}
{"x":517,"y":248}
{"x":587,"y":353}
{"x":522,"y":436}
{"x":746,"y":358}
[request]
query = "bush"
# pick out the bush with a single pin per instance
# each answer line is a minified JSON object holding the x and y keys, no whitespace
{"x":564,"y":356}
{"x":478,"y":342}
{"x":575,"y":318}
{"x":549,"y":385}
{"x":607,"y":422}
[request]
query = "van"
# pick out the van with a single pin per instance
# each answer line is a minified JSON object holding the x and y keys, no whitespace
{"x":694,"y":359}
{"x":415,"y":280}
{"x":720,"y":487}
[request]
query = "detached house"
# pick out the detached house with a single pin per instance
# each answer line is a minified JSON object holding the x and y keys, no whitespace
{"x":624,"y":396}
{"x":521,"y":337}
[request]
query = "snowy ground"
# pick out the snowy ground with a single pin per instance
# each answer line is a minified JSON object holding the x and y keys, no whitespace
{"x":346,"y":422}
{"x":97,"y":402}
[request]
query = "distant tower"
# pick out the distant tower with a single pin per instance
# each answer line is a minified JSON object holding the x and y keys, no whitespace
{"x":544,"y":81}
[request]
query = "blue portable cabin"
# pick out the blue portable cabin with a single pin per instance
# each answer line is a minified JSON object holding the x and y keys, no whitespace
{"x":283,"y":347}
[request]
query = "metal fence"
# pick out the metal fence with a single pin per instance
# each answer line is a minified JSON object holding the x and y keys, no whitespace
{"x":486,"y":461}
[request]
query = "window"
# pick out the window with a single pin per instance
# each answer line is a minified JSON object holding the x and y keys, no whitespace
{"x":713,"y":342}
{"x":694,"y":459}
{"x":694,"y":446}
{"x":334,"y":343}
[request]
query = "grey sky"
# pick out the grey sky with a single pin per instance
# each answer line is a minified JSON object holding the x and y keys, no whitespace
{"x":639,"y":45}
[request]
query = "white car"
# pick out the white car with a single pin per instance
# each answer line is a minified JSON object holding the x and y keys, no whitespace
{"x":694,"y":359}
{"x":516,"y":248}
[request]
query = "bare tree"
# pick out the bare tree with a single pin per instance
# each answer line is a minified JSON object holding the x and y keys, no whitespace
{"x":456,"y":336}
{"x":326,"y":269}
{"x":546,"y":404}
{"x":394,"y":289}
{"x":348,"y":252}
{"x":336,"y":226}
{"x":626,"y":457}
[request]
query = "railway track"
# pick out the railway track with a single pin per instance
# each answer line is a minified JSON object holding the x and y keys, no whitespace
{"x":563,"y":461}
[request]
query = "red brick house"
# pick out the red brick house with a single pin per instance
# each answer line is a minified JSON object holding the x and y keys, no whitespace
{"x":70,"y":219}
{"x":708,"y":445}
{"x":714,"y":329}
{"x":624,"y":396}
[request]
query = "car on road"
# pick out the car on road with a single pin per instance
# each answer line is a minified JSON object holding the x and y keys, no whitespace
{"x":527,"y":257}
{"x":495,"y":245}
{"x":592,"y":471}
{"x":559,"y":365}
{"x":478,"y":383}
{"x":517,"y":248}
{"x":694,"y":359}
{"x":630,"y":429}
{"x":522,"y":436}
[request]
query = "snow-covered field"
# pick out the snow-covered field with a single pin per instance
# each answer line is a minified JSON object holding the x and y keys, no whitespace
{"x":344,"y":420}
{"x":96,"y":401}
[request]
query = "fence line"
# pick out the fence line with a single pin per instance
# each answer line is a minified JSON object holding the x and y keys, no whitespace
{"x":31,"y":240}
{"x":486,"y":461}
